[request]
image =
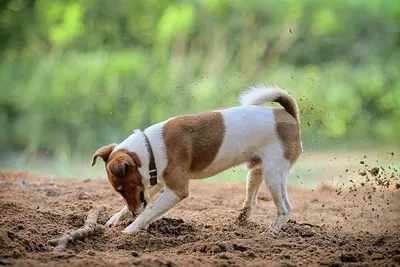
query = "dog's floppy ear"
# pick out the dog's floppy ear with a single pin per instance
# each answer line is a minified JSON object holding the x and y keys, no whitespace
{"x":119,"y":168}
{"x":103,"y":152}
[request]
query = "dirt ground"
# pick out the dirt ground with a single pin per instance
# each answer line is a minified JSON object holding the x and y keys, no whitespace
{"x":328,"y":226}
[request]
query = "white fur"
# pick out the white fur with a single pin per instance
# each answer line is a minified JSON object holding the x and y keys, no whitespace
{"x":248,"y":128}
{"x":156,"y":138}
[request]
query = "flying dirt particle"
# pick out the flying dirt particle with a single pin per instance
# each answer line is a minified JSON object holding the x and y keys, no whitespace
{"x":362,"y":162}
{"x":298,"y":177}
{"x":363,"y":173}
{"x":374,"y":171}
{"x":301,"y":99}
{"x":365,"y":156}
{"x":347,"y":170}
{"x":290,"y":30}
{"x":308,"y":123}
{"x":392,"y":153}
{"x":311,"y":107}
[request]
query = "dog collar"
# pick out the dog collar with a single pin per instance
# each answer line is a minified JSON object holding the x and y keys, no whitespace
{"x":152,"y":163}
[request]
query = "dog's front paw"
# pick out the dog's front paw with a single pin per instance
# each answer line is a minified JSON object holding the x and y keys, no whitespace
{"x":135,"y":227}
{"x":113,"y":221}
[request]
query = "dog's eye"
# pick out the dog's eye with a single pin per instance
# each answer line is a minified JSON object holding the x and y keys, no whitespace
{"x":142,"y":197}
{"x":121,"y":191}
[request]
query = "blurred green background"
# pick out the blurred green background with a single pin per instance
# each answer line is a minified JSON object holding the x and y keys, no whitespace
{"x":76,"y":75}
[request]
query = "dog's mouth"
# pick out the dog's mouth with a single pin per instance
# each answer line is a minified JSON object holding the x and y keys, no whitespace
{"x":142,"y":199}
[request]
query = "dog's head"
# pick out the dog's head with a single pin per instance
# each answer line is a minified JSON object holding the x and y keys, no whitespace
{"x":124,"y":176}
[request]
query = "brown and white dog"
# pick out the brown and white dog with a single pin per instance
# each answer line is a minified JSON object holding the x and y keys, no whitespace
{"x":166,"y":155}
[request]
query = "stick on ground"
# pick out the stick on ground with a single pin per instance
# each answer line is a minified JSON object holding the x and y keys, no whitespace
{"x":88,"y":229}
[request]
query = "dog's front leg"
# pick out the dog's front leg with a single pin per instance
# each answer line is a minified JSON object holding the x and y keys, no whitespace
{"x":164,"y":203}
{"x":155,"y":189}
{"x":120,"y":215}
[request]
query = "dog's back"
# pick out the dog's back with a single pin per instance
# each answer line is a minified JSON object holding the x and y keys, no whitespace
{"x":212,"y":141}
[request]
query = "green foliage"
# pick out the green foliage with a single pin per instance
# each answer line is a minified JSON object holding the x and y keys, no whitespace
{"x":78,"y":74}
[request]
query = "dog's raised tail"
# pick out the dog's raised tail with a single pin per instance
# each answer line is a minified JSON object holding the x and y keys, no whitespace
{"x":261,"y":94}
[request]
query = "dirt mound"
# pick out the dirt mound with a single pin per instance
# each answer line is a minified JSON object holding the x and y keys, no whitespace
{"x":361,"y":225}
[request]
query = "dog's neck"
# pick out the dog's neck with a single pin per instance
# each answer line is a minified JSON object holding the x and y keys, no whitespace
{"x":137,"y":143}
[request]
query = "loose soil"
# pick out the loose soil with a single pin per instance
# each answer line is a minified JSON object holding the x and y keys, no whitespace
{"x":356,"y":226}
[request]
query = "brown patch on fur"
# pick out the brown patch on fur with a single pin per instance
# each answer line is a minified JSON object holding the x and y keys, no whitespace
{"x":288,"y":102}
{"x":288,"y":131}
{"x":103,"y":152}
{"x":254,"y":163}
{"x":192,"y":143}
{"x":135,"y":158}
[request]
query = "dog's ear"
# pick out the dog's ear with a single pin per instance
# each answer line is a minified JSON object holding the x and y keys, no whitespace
{"x":119,"y":168}
{"x":103,"y":152}
{"x":135,"y":158}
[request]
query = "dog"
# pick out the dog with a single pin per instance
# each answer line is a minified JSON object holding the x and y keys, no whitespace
{"x":168,"y":154}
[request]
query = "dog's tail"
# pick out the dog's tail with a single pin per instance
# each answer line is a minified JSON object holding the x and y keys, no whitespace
{"x":261,"y":94}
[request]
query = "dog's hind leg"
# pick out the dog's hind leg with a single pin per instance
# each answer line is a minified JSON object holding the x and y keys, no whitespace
{"x":275,"y":176}
{"x":253,"y":183}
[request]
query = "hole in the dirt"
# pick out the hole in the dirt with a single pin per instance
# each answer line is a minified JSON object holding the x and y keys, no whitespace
{"x":173,"y":227}
{"x":214,"y":248}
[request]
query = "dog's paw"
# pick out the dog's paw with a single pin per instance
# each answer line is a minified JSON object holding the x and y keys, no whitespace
{"x":113,"y":221}
{"x":135,"y":227}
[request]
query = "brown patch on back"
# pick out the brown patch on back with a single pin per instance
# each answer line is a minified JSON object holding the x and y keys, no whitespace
{"x":194,"y":139}
{"x":288,"y":131}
